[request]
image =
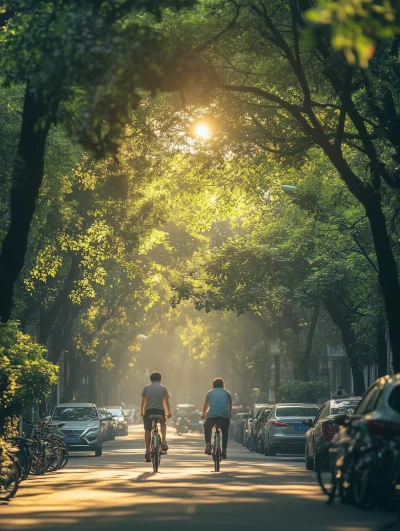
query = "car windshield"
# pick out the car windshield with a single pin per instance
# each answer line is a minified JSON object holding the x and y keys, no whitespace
{"x":296,"y":411}
{"x":344,"y":406}
{"x":75,"y":413}
{"x":116,"y":412}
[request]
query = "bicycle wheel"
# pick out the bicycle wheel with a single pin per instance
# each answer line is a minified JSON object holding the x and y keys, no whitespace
{"x":155,"y":460}
{"x":217,"y":460}
{"x":363,"y":482}
{"x":39,"y":462}
{"x":9,"y":477}
{"x":325,"y":469}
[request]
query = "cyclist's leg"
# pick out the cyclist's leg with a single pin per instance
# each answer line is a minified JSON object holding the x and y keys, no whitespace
{"x":163,"y":425}
{"x":224,"y":423}
{"x":147,"y":434}
{"x":208,"y":426}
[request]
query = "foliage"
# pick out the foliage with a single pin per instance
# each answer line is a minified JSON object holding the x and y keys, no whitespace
{"x":297,"y":391}
{"x":25,"y":375}
{"x":357,"y":25}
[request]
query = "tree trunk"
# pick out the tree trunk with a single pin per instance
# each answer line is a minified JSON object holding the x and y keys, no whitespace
{"x":345,"y":324}
{"x":27,"y":178}
{"x":308,"y":350}
{"x":49,"y":317}
{"x":388,"y":274}
{"x":381,"y":349}
{"x":74,"y":362}
{"x":93,"y":373}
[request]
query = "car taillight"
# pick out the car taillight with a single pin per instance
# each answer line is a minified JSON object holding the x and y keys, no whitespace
{"x":279,"y":424}
{"x":382,"y":427}
{"x":329,"y":430}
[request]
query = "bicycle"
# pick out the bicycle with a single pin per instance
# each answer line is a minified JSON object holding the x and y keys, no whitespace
{"x":216,"y":449}
{"x":155,"y":444}
{"x":10,"y":473}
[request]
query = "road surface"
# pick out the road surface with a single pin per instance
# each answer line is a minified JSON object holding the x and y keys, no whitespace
{"x":118,"y":491}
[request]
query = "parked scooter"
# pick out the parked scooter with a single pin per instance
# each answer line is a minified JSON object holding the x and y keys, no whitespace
{"x":181,"y":425}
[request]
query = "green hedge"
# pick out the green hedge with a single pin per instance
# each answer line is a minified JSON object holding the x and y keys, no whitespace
{"x":298,"y":391}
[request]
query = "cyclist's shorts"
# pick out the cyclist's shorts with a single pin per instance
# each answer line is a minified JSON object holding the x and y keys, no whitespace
{"x":147,"y":423}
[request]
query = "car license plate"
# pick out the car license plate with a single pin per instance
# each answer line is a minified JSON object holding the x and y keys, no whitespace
{"x":301,"y":427}
{"x":72,"y":440}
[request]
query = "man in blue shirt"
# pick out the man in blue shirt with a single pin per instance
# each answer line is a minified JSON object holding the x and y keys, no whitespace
{"x":218,"y":407}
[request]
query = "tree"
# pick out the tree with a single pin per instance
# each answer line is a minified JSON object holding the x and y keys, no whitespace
{"x":323,"y":104}
{"x":89,"y":81}
{"x":26,"y":377}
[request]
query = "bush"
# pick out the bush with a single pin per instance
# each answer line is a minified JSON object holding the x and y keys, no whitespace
{"x":26,"y":377}
{"x":298,"y":391}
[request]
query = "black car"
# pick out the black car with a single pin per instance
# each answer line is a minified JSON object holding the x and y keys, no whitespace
{"x":323,"y":428}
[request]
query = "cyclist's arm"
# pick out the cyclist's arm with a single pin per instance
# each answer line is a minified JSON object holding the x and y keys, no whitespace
{"x":230,"y":404}
{"x":142,"y":406}
{"x":167,"y":407}
{"x":205,"y":407}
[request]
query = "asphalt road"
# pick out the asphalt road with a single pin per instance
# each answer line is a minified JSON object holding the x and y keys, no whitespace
{"x":119,"y":491}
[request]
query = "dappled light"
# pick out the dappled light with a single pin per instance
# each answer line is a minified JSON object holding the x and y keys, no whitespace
{"x":123,"y":489}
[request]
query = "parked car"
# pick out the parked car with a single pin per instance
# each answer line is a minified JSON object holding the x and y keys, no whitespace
{"x":260,"y":427}
{"x":255,"y":408}
{"x":379,"y":408}
{"x":285,"y":429}
{"x":323,"y":428}
{"x":120,"y":420}
{"x":107,"y":425}
{"x":237,"y":428}
{"x":82,"y":430}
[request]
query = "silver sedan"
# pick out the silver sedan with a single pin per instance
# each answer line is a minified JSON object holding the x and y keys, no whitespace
{"x":285,"y":429}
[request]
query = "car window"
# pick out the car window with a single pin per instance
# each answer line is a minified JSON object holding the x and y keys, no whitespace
{"x":296,"y":411}
{"x":394,"y":399}
{"x":369,"y":401}
{"x":75,"y":413}
{"x":344,"y":407}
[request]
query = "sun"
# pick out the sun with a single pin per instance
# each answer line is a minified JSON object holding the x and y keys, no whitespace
{"x":202,"y":131}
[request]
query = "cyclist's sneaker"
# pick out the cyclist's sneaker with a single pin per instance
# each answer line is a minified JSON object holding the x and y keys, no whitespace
{"x":208,"y":449}
{"x":147,"y":457}
{"x":164,"y":447}
{"x":223,"y":454}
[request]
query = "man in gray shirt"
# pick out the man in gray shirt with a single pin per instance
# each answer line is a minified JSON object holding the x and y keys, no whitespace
{"x":155,"y":401}
{"x":218,"y":408}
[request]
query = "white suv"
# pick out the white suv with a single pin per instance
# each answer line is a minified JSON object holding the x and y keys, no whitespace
{"x":82,"y":430}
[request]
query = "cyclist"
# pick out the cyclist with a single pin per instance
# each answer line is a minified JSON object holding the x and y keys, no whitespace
{"x":155,"y":401}
{"x":218,"y":407}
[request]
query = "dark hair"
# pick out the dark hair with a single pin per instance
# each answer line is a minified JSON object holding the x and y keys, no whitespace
{"x":218,"y":382}
{"x":155,"y":376}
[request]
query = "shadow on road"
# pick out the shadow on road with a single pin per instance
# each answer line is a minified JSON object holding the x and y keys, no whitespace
{"x":120,"y":492}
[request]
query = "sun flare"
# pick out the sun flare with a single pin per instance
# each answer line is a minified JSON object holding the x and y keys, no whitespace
{"x":202,"y":131}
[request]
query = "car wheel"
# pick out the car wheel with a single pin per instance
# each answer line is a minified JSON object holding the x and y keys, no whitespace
{"x":98,"y":451}
{"x":309,"y":460}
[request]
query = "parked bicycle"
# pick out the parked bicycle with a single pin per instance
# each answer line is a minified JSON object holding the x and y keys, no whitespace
{"x":9,"y":473}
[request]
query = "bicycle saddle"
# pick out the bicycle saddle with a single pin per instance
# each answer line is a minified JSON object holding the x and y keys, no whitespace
{"x":156,"y":417}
